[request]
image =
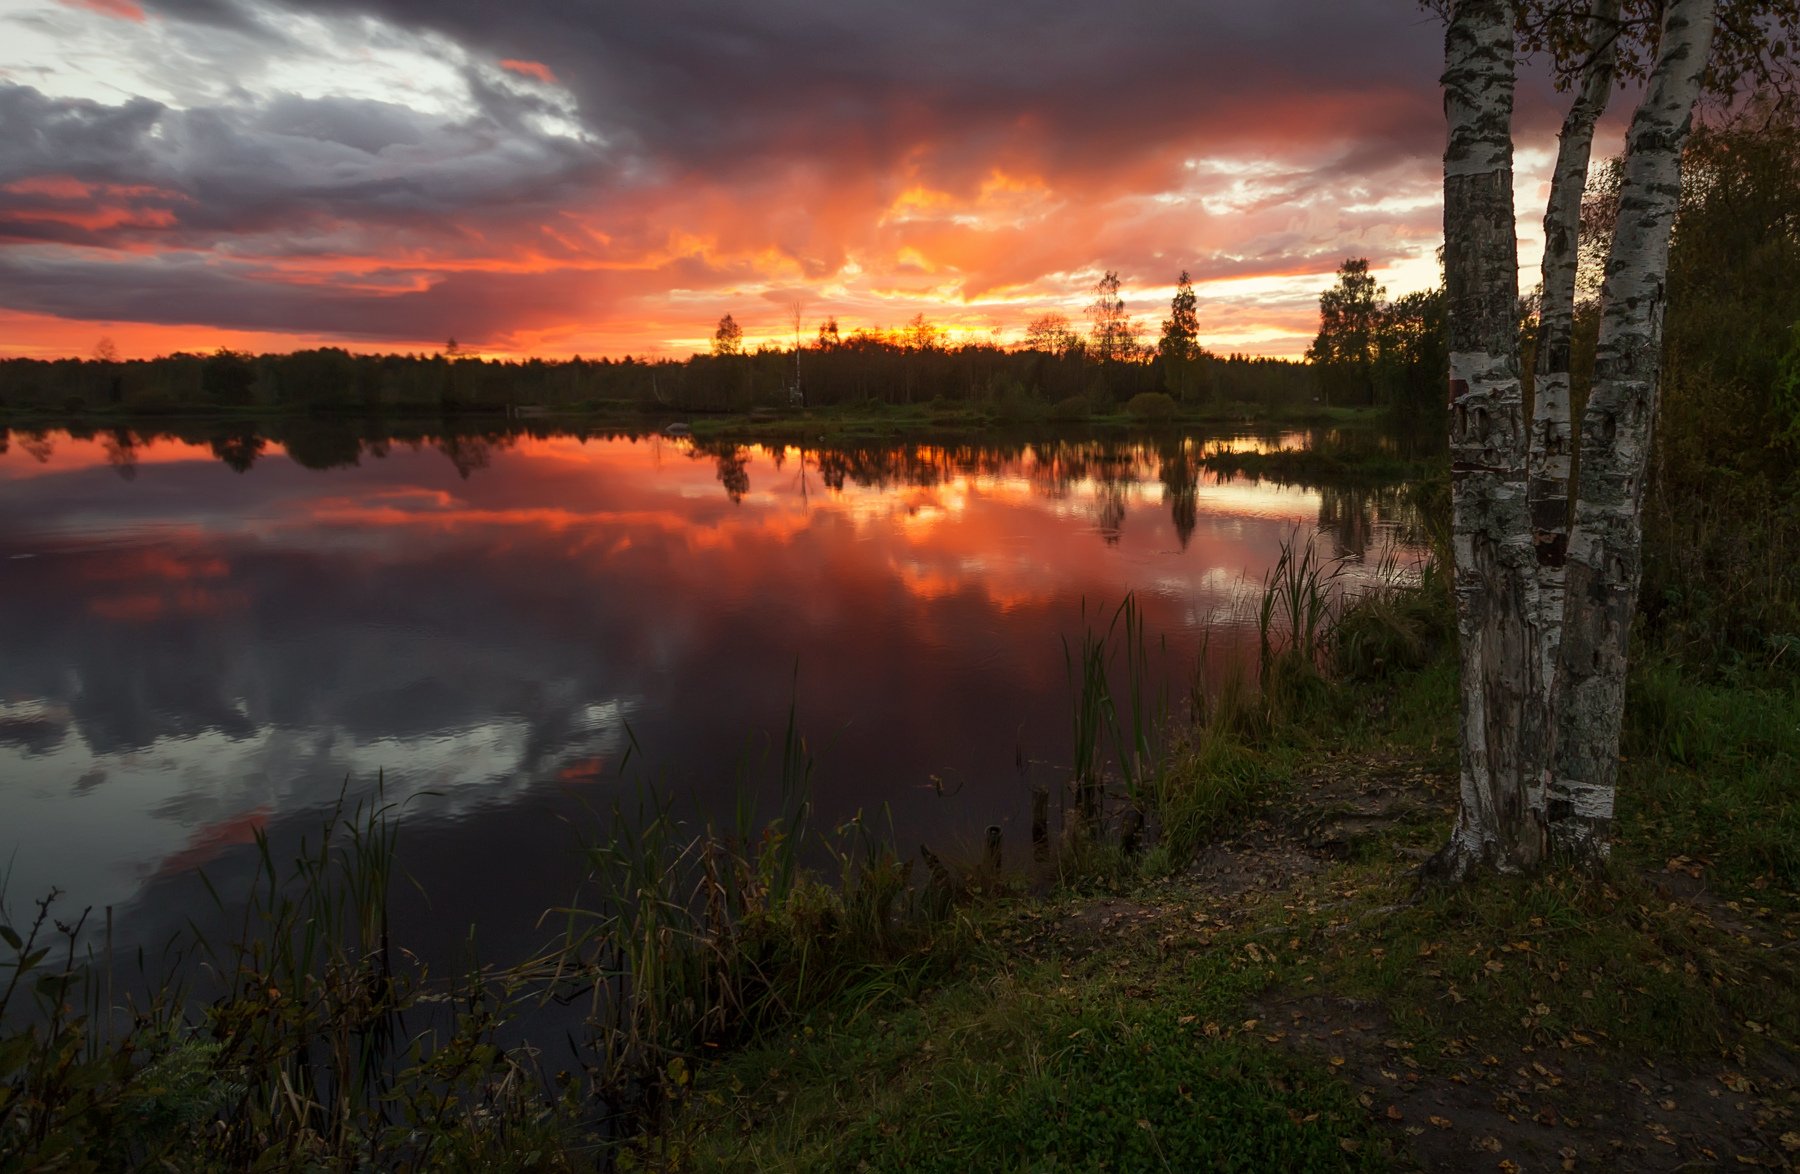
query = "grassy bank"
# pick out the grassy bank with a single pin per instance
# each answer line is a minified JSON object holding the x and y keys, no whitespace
{"x":867,"y":420}
{"x":877,"y":421}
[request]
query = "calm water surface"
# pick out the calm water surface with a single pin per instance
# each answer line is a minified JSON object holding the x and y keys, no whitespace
{"x":197,"y":648}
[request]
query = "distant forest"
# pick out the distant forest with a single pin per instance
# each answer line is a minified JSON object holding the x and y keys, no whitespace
{"x":1367,"y":353}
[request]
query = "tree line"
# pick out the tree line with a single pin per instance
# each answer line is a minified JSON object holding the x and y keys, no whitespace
{"x":1057,"y":369}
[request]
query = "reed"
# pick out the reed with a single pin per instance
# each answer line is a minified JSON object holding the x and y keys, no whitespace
{"x":306,"y":1038}
{"x":1136,"y":732}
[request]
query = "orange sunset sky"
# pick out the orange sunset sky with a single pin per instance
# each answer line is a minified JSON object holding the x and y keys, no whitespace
{"x":556,"y":177}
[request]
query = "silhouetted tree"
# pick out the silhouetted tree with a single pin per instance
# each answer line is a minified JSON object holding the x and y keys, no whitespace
{"x":1179,"y":347}
{"x":1344,"y":350}
{"x":1181,"y":329}
{"x":1113,"y":336}
{"x":227,"y":377}
{"x":728,"y":339}
{"x":1050,"y":333}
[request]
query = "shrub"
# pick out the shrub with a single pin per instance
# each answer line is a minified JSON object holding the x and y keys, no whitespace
{"x":1074,"y":407}
{"x":1151,"y":405}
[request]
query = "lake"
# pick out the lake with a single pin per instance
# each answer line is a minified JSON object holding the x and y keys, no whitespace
{"x":213,"y":634}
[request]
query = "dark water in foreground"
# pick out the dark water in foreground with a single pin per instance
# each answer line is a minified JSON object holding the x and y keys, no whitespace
{"x":193,"y":653}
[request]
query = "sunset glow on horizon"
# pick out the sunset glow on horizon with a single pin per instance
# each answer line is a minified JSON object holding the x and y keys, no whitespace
{"x":533,"y":179}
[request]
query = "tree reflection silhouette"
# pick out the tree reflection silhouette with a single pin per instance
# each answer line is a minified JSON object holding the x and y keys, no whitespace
{"x":733,"y":472}
{"x":121,"y":453}
{"x":239,"y":450}
{"x":37,"y":442}
{"x":467,"y":453}
{"x":1181,"y":488}
{"x":324,"y":444}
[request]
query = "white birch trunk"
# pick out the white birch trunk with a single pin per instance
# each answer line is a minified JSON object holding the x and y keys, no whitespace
{"x":1604,"y":558}
{"x":1551,"y":448}
{"x":1500,"y":819}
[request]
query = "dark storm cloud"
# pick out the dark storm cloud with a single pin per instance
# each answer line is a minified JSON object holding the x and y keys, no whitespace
{"x":286,"y":162}
{"x":706,"y":87}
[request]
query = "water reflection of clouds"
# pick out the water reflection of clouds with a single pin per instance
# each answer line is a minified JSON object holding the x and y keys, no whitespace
{"x":198,"y":650}
{"x":161,"y":810}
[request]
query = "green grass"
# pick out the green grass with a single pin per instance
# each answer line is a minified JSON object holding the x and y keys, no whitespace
{"x":1712,"y":773}
{"x":1120,"y":1064}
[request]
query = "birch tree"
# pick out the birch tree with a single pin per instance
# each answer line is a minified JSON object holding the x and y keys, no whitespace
{"x":1545,"y":580}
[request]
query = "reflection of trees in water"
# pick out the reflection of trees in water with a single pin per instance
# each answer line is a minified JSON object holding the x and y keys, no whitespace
{"x":1354,"y":514}
{"x":240,"y":449}
{"x":37,"y":443}
{"x":1346,"y":512}
{"x":1054,"y":469}
{"x":323,"y":444}
{"x":1115,"y":470}
{"x":1111,"y":522}
{"x":731,"y":465}
{"x":121,"y":452}
{"x":1180,"y":478}
{"x":467,"y":453}
{"x":733,"y":472}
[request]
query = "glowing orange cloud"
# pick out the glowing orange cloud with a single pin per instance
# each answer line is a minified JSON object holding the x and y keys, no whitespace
{"x":978,"y":218}
{"x":123,"y":9}
{"x":38,"y":336}
{"x":531,"y":69}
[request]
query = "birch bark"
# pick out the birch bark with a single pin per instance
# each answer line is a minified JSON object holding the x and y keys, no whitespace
{"x":1605,"y":545}
{"x":1551,"y":448}
{"x":1500,"y":821}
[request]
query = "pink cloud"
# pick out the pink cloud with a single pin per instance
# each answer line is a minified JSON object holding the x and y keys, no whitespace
{"x":531,"y":69}
{"x":123,"y":9}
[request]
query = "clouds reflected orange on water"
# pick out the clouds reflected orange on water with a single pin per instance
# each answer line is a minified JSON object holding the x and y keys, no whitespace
{"x":194,"y":652}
